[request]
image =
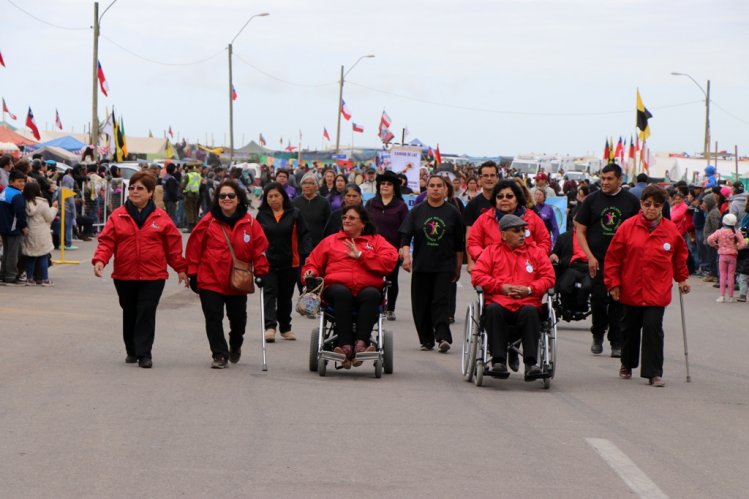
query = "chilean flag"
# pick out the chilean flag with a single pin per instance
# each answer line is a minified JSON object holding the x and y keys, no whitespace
{"x":32,"y":125}
{"x":171,"y":134}
{"x":344,"y":110}
{"x":2,"y":62}
{"x":357,"y":128}
{"x":233,"y":93}
{"x":102,"y":79}
{"x":6,"y":110}
{"x":325,"y":134}
{"x":58,"y":122}
{"x":385,"y":120}
{"x":262,"y":140}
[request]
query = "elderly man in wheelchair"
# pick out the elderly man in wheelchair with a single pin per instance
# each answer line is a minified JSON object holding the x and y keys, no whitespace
{"x":513,"y":277}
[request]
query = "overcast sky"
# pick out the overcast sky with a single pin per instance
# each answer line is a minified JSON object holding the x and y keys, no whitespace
{"x":479,"y":77}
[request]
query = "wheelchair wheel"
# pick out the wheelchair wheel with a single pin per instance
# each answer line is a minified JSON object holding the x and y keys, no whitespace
{"x":314,"y":344}
{"x":378,"y":369}
{"x":468,"y":357}
{"x":387,"y":351}
{"x":322,"y":365}
{"x":479,"y":373}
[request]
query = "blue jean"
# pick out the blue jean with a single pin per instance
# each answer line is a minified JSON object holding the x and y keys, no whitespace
{"x":31,"y":263}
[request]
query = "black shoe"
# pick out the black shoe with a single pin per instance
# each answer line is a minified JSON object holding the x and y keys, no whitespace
{"x":145,"y":363}
{"x":425,"y":347}
{"x":131,"y":359}
{"x":616,"y":351}
{"x":499,"y":368}
{"x":597,"y":346}
{"x":532,"y":372}
{"x":444,"y":346}
{"x":219,"y":362}
{"x":514,"y":360}
{"x":235,"y":354}
{"x":451,"y":320}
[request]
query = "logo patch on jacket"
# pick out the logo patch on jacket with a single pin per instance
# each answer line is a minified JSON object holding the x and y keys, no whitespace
{"x":246,"y":237}
{"x":155,"y":225}
{"x":667,"y":246}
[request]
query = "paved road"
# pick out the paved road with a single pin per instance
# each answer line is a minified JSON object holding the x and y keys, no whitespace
{"x":77,"y":422}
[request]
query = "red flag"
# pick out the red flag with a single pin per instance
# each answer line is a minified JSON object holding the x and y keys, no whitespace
{"x":290,"y":148}
{"x":32,"y":125}
{"x":57,"y":120}
{"x":606,"y":151}
{"x":2,"y":62}
{"x":645,"y":158}
{"x":385,"y":120}
{"x":344,"y":110}
{"x":357,"y":128}
{"x":631,"y":149}
{"x":171,"y":134}
{"x":102,"y":79}
{"x":430,"y":153}
{"x":325,"y":134}
{"x":6,"y":110}
{"x":262,"y":140}
{"x":233,"y":93}
{"x":437,"y":155}
{"x":618,"y":150}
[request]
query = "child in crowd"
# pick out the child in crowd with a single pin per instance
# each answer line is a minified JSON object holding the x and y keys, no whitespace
{"x":742,"y":263}
{"x":729,"y":241}
{"x":37,"y":244}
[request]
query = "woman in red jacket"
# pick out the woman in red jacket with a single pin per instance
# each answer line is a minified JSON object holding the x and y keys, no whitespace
{"x":143,"y":240}
{"x":354,"y":263}
{"x":209,"y":264}
{"x":645,"y":255}
{"x":508,"y":198}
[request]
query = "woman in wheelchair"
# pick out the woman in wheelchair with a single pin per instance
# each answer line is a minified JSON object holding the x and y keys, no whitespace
{"x":508,"y":199}
{"x":353,"y":262}
{"x":514,"y":276}
{"x":573,"y":279}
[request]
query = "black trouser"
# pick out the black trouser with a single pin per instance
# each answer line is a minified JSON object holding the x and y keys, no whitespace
{"x":139,"y":300}
{"x":606,"y":313}
{"x":574,"y":297}
{"x":452,"y":297}
{"x":527,"y":323}
{"x":277,"y":293}
{"x":393,"y":290}
{"x":365,"y":305}
{"x":213,"y":310}
{"x":650,"y":321}
{"x":171,"y":210}
{"x":430,"y":301}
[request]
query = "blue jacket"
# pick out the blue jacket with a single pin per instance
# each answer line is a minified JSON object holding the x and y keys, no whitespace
{"x":12,"y":212}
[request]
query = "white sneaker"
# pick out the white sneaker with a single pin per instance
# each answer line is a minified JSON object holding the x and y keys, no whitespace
{"x":720,"y":299}
{"x":730,"y":299}
{"x":270,"y":335}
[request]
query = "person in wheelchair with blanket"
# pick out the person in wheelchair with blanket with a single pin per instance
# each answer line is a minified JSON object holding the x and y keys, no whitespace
{"x":573,"y":279}
{"x":514,"y":277}
{"x":353,"y":263}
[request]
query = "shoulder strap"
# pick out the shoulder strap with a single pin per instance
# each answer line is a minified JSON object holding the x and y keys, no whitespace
{"x":231,"y":248}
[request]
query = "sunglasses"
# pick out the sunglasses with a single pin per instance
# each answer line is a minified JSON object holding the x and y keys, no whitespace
{"x":229,"y":195}
{"x":352,"y":218}
{"x":505,"y":196}
{"x":650,"y":204}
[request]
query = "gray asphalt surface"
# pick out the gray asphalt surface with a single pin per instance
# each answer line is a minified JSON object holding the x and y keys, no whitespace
{"x":76,"y":421}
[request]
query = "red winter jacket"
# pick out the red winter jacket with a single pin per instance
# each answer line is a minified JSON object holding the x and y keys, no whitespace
{"x":643,"y":264}
{"x":140,"y":254}
{"x":330,"y":260}
{"x":528,"y":265}
{"x":209,"y":258}
{"x":485,"y":232}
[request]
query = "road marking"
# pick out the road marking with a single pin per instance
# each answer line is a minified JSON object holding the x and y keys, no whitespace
{"x":633,"y":476}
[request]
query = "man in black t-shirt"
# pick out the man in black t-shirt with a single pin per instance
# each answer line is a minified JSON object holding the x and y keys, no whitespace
{"x":438,"y":236}
{"x":488,"y":176}
{"x":599,"y":216}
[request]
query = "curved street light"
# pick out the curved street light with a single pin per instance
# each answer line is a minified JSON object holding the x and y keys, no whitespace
{"x":94,"y":131}
{"x":706,"y":93}
{"x":231,"y":86}
{"x":340,"y":98}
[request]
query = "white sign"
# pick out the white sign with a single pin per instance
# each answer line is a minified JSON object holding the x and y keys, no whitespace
{"x":404,"y":159}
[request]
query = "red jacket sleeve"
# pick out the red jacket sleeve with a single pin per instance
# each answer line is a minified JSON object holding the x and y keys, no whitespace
{"x":482,"y":274}
{"x":107,"y":240}
{"x":260,"y":263}
{"x":475,"y":241}
{"x":614,"y":261}
{"x":546,"y":275}
{"x":173,"y":248}
{"x":195,"y":245}
{"x":384,"y":257}
{"x":317,"y":260}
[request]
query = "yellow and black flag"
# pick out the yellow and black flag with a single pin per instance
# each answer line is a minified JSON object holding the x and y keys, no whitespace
{"x":642,"y":118}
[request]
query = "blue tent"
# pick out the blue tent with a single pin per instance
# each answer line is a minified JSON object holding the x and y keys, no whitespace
{"x":69,"y":143}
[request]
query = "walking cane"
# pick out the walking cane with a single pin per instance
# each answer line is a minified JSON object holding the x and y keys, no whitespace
{"x":260,"y":283}
{"x":684,"y":330}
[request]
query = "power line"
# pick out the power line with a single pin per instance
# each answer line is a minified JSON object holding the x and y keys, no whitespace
{"x":281,"y":79}
{"x":162,"y":63}
{"x":70,"y":28}
{"x":729,"y":113}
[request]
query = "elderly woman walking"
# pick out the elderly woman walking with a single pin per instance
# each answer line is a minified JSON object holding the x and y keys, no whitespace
{"x":646,"y":254}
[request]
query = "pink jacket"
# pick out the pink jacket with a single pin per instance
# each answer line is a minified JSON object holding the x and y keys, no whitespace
{"x":728,"y":241}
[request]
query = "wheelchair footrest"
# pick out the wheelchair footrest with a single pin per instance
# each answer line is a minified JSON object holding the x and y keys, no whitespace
{"x":497,"y":375}
{"x":364,"y":356}
{"x":333,"y":356}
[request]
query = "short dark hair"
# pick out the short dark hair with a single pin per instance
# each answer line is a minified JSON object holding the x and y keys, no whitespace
{"x":241,"y":193}
{"x":369,"y":228}
{"x":642,"y":177}
{"x":613,"y":167}
{"x":278,"y":187}
{"x":171,"y":168}
{"x":5,"y":160}
{"x":489,"y":164}
{"x":351,"y":187}
{"x":656,"y":192}
{"x":16,"y":174}
{"x":509,"y":184}
{"x":279,"y":172}
{"x":148,"y":181}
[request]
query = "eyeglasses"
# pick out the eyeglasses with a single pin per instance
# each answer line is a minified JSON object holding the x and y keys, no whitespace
{"x":229,"y":195}
{"x":505,"y":196}
{"x":350,"y":217}
{"x":135,"y":188}
{"x":651,"y":204}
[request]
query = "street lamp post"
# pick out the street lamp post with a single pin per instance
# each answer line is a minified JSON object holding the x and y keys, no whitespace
{"x":706,"y":93}
{"x":340,"y":99}
{"x":94,"y":132}
{"x":231,"y":87}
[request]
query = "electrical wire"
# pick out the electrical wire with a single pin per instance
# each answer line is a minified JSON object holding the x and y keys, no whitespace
{"x":162,"y":63}
{"x":281,"y":79}
{"x":729,"y":113}
{"x":70,"y":28}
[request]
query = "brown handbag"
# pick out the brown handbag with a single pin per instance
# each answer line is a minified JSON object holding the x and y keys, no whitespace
{"x":240,"y":277}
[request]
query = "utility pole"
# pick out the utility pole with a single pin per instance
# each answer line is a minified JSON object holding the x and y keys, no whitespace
{"x":94,"y":135}
{"x":231,"y":112}
{"x":707,"y":122}
{"x":340,"y":103}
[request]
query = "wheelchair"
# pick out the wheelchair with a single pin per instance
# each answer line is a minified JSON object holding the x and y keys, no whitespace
{"x":323,"y":340}
{"x":563,"y":304}
{"x":476,"y":358}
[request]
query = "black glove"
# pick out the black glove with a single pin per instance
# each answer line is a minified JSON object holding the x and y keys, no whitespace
{"x":193,"y":282}
{"x":311,"y":283}
{"x":259,"y":281}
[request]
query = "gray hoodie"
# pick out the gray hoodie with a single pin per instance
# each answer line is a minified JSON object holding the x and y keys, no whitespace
{"x":712,"y":217}
{"x":738,"y":204}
